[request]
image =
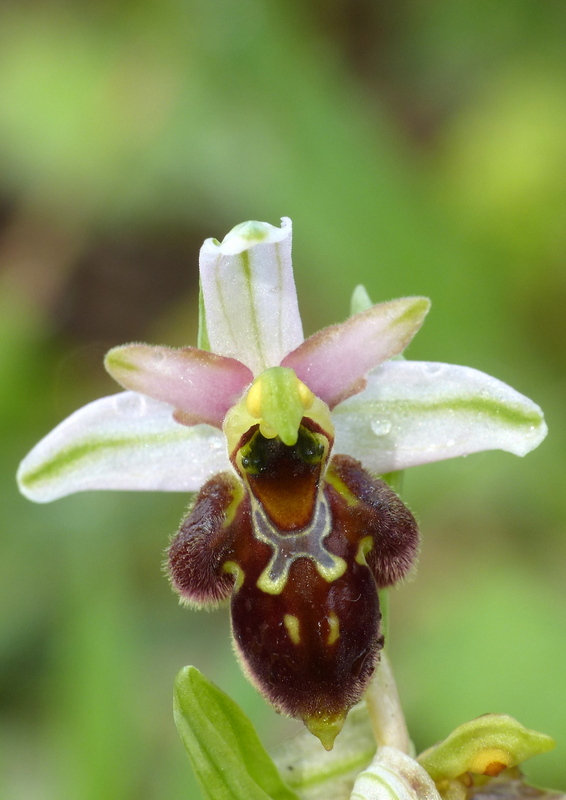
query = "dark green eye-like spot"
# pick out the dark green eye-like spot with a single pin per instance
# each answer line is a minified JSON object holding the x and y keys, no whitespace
{"x":309,"y":448}
{"x":253,"y":455}
{"x":260,"y":455}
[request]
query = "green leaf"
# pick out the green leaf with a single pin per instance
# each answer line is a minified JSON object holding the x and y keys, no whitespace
{"x":227,"y":756}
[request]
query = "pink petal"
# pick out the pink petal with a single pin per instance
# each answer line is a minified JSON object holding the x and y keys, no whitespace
{"x":201,"y":386}
{"x":334,"y":362}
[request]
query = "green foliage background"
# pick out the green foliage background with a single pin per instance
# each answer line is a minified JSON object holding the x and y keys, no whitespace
{"x":419,"y":148}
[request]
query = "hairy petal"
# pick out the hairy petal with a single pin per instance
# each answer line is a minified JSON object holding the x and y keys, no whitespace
{"x":335,"y":361}
{"x":204,"y":542}
{"x":126,"y":441}
{"x":415,"y":412}
{"x":249,"y":294}
{"x":201,"y":385}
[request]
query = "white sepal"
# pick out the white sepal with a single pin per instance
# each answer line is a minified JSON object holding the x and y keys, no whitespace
{"x":416,"y":412}
{"x":126,"y":441}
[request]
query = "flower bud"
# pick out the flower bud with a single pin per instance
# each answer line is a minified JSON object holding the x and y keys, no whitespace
{"x":485,"y":746}
{"x":393,"y":775}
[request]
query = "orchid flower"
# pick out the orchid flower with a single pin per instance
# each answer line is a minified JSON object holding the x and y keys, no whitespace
{"x":282,"y":439}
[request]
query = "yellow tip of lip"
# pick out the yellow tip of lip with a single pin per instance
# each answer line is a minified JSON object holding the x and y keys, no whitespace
{"x":326,"y":729}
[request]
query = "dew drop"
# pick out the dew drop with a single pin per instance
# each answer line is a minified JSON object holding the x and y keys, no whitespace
{"x":381,"y":427}
{"x":433,"y":370}
{"x":136,"y":408}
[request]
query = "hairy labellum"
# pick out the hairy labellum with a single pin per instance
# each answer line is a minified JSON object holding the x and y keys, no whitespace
{"x":301,"y":542}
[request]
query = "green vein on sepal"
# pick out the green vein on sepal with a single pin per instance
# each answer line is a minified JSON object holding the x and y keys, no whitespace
{"x":69,"y":457}
{"x":503,"y":412}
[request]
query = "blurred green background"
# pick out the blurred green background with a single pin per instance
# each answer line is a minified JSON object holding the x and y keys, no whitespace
{"x":420,"y":148}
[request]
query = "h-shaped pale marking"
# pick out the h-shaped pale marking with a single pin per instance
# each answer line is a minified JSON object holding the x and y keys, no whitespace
{"x":287,"y":547}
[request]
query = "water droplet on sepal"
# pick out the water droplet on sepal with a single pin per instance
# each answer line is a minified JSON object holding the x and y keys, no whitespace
{"x":381,"y":427}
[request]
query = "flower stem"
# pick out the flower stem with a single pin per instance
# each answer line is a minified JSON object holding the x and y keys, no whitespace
{"x":384,"y":707}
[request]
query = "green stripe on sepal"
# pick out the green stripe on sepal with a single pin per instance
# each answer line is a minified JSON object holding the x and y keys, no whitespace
{"x":227,"y":756}
{"x":414,"y":412}
{"x":67,"y":459}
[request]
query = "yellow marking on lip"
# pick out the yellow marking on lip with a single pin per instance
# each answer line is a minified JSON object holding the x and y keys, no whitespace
{"x":364,"y":547}
{"x":293,"y":629}
{"x":331,"y":574}
{"x":269,"y":585}
{"x":334,"y":625}
{"x":337,"y":483}
{"x":234,"y":569}
{"x":237,"y":497}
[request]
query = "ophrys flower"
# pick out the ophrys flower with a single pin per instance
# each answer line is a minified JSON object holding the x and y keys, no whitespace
{"x":300,"y":538}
